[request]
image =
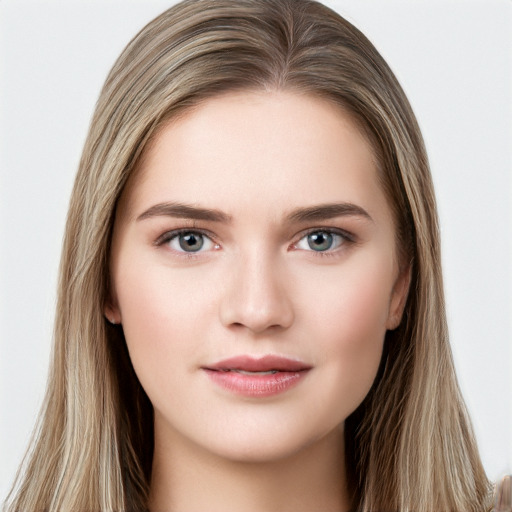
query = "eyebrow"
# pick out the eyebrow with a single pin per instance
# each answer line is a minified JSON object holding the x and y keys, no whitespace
{"x":184,"y":211}
{"x":327,"y":211}
{"x":299,"y":215}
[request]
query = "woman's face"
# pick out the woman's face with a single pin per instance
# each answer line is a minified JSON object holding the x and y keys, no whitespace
{"x":254,"y":272}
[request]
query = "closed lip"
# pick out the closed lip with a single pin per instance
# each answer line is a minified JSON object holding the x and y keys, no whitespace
{"x":257,"y":377}
{"x":259,"y":364}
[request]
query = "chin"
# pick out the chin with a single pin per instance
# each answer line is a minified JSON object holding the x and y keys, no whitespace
{"x":261,"y":453}
{"x":274,"y":445}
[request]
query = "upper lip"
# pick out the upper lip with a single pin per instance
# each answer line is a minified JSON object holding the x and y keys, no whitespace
{"x":259,"y":364}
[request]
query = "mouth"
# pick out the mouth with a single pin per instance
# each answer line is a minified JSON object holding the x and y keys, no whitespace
{"x":257,"y":377}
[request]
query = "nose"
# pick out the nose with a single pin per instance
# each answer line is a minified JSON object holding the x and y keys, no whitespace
{"x":255,"y":296}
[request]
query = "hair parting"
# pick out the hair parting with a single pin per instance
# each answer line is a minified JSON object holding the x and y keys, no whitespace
{"x":409,"y":446}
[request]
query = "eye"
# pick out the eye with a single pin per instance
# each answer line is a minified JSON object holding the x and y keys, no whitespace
{"x":188,"y":241}
{"x":321,"y":241}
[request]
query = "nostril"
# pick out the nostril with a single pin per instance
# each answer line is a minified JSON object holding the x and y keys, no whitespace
{"x":255,"y":298}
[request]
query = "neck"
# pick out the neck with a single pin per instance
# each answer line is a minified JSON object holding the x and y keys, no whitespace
{"x":187,"y":478}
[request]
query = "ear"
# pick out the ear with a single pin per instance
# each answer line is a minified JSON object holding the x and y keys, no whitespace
{"x":111,"y":309}
{"x":112,"y":314}
{"x":399,"y":296}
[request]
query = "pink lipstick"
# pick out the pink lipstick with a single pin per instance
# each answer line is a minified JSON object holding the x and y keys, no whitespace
{"x":257,"y":377}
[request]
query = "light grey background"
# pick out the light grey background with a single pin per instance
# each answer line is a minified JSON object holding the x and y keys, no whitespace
{"x":454,"y":59}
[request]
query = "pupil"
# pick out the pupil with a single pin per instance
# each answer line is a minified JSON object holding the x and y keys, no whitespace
{"x":320,"y":241}
{"x":191,"y":242}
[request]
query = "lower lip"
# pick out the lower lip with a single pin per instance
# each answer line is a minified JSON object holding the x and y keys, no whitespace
{"x":256,"y":385}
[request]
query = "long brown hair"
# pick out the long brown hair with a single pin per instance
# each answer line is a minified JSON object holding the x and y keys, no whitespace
{"x":409,"y":446}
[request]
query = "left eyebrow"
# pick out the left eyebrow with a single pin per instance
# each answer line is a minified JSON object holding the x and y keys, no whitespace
{"x":184,"y":211}
{"x":327,"y":211}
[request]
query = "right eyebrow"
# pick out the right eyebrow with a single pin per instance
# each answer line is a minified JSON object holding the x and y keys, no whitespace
{"x":184,"y":211}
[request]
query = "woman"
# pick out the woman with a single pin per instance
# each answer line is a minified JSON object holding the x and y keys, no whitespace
{"x":209,"y":186}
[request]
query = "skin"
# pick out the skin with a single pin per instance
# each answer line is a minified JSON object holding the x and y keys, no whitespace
{"x":256,"y":287}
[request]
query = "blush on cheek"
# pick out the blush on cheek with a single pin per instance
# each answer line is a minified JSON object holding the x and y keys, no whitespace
{"x":353,"y":317}
{"x":359,"y":306}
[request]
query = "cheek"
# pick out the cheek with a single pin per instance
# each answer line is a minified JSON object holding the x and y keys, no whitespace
{"x":350,"y":324}
{"x":160,"y":320}
{"x":355,"y":302}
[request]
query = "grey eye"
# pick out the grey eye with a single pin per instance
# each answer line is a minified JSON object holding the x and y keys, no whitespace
{"x":320,"y":241}
{"x":191,"y":242}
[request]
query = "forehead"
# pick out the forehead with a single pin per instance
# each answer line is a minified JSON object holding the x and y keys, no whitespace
{"x":270,"y":150}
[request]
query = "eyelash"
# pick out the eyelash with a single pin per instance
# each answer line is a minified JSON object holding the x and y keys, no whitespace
{"x":170,"y":235}
{"x":347,"y":238}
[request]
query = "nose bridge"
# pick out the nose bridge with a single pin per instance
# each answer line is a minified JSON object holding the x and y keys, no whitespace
{"x":256,"y":296}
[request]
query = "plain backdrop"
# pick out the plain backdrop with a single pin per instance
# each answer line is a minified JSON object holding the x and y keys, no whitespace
{"x":454,"y":59}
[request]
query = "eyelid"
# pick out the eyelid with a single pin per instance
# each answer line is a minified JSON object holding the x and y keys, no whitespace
{"x":348,"y":238}
{"x":173,"y":233}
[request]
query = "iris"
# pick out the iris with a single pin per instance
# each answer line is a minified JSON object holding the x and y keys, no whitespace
{"x":320,"y":241}
{"x":191,"y":242}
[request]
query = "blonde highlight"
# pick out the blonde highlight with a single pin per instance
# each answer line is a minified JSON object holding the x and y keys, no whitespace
{"x":93,"y":447}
